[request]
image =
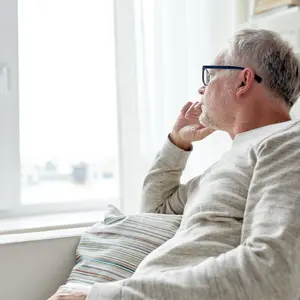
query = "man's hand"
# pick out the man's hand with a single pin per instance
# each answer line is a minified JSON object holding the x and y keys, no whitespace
{"x":73,"y":296}
{"x":69,"y":293}
{"x":187,"y":127}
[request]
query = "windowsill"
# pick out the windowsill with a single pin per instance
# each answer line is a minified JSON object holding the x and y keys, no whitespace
{"x":41,"y":235}
{"x":48,"y":222}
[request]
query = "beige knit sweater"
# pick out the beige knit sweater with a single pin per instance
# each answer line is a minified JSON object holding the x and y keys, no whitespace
{"x":240,"y":232}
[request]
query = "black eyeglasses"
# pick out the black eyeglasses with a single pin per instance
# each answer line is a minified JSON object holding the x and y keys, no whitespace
{"x":206,"y":76}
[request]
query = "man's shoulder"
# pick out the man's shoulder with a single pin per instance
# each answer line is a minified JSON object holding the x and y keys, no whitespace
{"x":282,"y":134}
{"x":258,"y":137}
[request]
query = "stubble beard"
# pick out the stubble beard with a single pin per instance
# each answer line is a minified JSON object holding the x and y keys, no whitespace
{"x":206,"y":120}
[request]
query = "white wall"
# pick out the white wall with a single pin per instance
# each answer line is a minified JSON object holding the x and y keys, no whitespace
{"x":34,"y":270}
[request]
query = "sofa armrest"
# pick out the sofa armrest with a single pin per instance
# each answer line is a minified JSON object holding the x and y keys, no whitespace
{"x":34,"y":270}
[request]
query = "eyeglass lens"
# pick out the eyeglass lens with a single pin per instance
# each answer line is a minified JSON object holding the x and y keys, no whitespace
{"x":206,"y":77}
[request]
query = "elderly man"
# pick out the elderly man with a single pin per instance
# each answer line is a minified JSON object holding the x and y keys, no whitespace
{"x":240,"y":232}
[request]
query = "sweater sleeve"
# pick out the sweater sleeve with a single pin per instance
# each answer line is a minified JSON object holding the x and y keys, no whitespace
{"x":265,"y":266}
{"x":162,"y":190}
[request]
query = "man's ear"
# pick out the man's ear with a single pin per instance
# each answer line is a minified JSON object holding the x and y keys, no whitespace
{"x":245,"y":82}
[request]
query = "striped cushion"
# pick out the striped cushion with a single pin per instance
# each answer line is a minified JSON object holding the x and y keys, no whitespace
{"x":112,"y":250}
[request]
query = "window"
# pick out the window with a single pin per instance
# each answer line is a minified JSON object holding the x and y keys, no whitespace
{"x":68,"y":133}
{"x":68,"y":115}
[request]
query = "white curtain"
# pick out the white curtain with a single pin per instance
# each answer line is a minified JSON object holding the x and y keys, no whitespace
{"x":173,"y":39}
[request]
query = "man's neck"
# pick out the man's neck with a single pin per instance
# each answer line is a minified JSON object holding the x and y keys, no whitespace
{"x":246,"y":121}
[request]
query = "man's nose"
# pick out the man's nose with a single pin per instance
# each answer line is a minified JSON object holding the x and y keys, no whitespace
{"x":201,"y":90}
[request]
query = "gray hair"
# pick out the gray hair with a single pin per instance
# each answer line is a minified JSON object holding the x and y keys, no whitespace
{"x":272,"y":58}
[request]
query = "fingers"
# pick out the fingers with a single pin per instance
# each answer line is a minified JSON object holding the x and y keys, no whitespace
{"x":68,"y":293}
{"x":202,"y":133}
{"x":70,"y":297}
{"x":186,"y":108}
{"x":194,"y":111}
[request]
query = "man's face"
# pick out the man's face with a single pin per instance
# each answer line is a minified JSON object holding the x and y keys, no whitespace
{"x":217,"y":100}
